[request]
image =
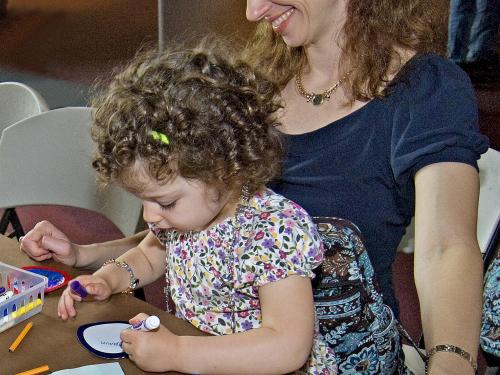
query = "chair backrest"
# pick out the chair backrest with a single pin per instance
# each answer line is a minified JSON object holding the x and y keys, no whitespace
{"x":45,"y":159}
{"x":488,"y":219}
{"x":17,"y":102}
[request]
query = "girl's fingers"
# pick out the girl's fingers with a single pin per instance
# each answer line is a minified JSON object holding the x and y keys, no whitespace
{"x":66,"y":306}
{"x":138,"y":318}
{"x":70,"y":305}
{"x":61,"y":309}
{"x":93,"y":286}
{"x":42,"y":257}
{"x":127,"y":348}
{"x":127,"y":335}
{"x":98,"y":291}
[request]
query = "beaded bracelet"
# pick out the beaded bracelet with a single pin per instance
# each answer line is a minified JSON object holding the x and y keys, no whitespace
{"x":133,"y":281}
{"x":450,"y":349}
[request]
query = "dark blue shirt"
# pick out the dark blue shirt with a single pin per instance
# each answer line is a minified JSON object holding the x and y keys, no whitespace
{"x":362,"y":166}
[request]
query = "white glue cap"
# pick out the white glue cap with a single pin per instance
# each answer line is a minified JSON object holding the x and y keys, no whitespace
{"x":152,"y":322}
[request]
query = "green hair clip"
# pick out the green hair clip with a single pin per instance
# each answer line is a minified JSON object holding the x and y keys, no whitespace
{"x":157,"y":136}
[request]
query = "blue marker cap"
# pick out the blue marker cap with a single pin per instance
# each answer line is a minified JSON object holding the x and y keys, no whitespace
{"x":2,"y":290}
{"x":77,"y":288}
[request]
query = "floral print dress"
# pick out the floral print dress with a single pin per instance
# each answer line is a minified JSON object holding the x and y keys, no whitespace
{"x":214,"y":275}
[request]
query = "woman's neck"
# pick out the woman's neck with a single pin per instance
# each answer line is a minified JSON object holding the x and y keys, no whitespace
{"x":323,"y":55}
{"x":322,"y":62}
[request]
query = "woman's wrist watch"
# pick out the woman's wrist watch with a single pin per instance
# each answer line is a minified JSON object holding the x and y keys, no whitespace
{"x":448,"y":348}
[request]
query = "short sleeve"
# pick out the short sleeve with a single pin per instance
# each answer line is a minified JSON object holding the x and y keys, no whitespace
{"x":286,"y":243}
{"x":436,"y":119}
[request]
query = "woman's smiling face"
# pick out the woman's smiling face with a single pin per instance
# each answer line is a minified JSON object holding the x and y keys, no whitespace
{"x":299,"y":22}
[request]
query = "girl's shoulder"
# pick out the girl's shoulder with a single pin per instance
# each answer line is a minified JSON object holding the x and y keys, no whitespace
{"x":281,"y":239}
{"x":274,"y":213}
{"x":270,"y":202}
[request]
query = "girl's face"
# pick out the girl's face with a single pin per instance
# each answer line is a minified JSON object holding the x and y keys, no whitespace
{"x":299,"y":22}
{"x":183,"y":205}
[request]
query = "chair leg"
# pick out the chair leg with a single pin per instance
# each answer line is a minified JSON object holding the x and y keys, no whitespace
{"x":10,"y":217}
{"x":421,"y":342}
{"x":4,"y":222}
{"x":139,"y":293}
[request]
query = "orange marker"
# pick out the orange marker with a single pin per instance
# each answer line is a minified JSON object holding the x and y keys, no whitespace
{"x":34,"y":371}
{"x":20,"y":338}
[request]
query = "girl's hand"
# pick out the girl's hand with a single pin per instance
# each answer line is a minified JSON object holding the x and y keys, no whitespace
{"x":150,"y":351}
{"x":96,"y":287}
{"x":45,"y":241}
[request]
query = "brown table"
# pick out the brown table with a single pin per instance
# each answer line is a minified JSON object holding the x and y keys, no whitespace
{"x":52,"y":341}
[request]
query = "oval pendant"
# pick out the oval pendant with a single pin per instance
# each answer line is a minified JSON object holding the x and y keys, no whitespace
{"x":318,"y":99}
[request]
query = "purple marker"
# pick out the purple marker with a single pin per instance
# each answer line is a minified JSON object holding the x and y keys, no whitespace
{"x":149,"y":324}
{"x":77,"y":288}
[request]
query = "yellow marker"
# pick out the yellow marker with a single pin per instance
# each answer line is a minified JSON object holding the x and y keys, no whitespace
{"x":20,"y":338}
{"x":21,"y":311}
{"x":34,"y":371}
{"x":32,"y":304}
{"x":25,"y":309}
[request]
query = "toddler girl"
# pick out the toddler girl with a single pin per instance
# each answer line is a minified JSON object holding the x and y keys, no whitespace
{"x":194,"y":136}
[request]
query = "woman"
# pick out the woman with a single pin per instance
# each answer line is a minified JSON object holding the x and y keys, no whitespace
{"x":377,"y":130}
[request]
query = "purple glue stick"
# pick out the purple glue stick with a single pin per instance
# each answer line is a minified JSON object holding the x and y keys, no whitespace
{"x":149,"y":324}
{"x":78,"y":288}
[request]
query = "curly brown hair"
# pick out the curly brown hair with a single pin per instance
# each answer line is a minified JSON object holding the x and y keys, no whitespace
{"x":373,"y":34}
{"x":218,"y":114}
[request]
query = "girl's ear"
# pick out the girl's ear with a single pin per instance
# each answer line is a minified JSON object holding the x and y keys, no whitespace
{"x":220,"y":176}
{"x":227,"y":181}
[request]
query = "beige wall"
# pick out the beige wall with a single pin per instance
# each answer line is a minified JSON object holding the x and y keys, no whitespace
{"x":188,"y":18}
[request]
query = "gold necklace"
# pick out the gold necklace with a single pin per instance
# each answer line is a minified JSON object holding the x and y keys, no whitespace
{"x":317,"y":99}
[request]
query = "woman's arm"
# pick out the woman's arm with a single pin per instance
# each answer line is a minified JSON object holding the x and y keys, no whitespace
{"x":448,"y":263}
{"x":281,"y":345}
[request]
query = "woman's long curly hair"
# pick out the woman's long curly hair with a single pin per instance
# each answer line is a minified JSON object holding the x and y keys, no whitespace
{"x":373,"y":34}
{"x":218,"y":114}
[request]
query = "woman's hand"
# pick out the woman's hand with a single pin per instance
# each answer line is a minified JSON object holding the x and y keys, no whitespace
{"x":150,"y":351}
{"x":96,"y":287}
{"x":45,"y":241}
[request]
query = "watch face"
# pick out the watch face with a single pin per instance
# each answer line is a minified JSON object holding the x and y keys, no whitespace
{"x":103,"y":338}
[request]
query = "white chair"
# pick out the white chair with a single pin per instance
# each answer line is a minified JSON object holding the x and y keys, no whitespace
{"x":45,"y":160}
{"x":488,"y":218}
{"x":488,"y":231}
{"x":17,"y":102}
{"x":407,"y":244}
